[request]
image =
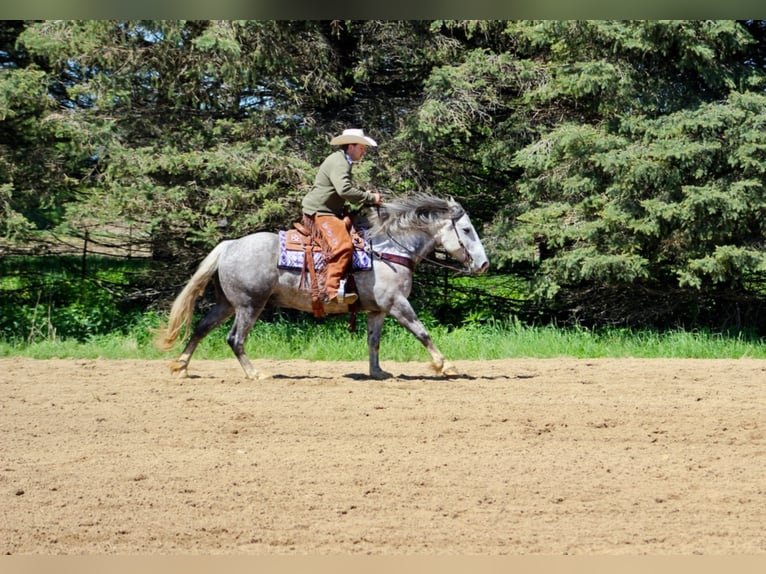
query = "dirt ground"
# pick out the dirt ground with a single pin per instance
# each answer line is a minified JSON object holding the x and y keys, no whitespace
{"x":521,"y":456}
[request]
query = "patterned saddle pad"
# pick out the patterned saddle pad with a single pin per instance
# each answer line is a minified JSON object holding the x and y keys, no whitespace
{"x":292,"y":255}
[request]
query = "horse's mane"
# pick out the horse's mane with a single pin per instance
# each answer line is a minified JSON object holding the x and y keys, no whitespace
{"x":416,"y":211}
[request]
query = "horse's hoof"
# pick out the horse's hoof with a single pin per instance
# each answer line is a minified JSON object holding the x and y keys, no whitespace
{"x":380,"y":375}
{"x":178,"y":368}
{"x":450,"y":371}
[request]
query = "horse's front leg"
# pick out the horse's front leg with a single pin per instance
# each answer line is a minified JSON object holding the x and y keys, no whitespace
{"x":374,"y":330}
{"x":402,"y":311}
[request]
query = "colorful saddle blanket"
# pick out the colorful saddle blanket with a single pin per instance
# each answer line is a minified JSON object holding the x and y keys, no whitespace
{"x":292,"y":254}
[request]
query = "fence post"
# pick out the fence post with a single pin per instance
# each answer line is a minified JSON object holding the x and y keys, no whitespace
{"x":84,"y":256}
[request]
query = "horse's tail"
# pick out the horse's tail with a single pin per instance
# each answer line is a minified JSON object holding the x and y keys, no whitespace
{"x":183,"y":307}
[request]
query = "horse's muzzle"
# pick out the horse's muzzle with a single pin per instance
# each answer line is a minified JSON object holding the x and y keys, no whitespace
{"x":476,"y":270}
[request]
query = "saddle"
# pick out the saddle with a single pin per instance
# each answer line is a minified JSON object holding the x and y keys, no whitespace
{"x":301,"y":249}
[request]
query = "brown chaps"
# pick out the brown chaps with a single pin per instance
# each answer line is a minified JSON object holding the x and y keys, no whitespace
{"x":335,"y":240}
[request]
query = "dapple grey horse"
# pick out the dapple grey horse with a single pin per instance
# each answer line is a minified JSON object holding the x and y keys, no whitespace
{"x":402,"y":232}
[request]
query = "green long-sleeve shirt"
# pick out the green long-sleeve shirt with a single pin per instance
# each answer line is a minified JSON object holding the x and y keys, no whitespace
{"x":333,"y":187}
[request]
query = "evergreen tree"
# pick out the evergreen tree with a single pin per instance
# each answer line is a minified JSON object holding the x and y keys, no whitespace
{"x":641,"y":197}
{"x":616,"y":164}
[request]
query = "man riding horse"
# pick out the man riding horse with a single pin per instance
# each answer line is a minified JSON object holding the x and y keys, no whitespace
{"x":248,"y":276}
{"x":324,"y":208}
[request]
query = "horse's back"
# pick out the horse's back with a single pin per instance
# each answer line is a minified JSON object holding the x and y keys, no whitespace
{"x":259,"y":246}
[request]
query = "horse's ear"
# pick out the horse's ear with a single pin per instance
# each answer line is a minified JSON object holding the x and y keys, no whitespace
{"x":455,"y":207}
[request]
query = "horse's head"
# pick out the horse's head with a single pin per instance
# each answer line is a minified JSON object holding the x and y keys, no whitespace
{"x":457,"y":235}
{"x":415,"y":224}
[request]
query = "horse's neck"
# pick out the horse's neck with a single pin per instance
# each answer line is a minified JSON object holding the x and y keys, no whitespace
{"x":413,"y":245}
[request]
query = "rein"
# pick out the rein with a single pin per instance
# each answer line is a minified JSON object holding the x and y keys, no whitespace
{"x":398,"y":259}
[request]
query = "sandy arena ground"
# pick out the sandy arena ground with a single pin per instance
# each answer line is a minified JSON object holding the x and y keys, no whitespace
{"x":520,"y":456}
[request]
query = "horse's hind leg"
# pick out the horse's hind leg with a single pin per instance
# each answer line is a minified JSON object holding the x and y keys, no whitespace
{"x":244,"y":319}
{"x":217,"y":315}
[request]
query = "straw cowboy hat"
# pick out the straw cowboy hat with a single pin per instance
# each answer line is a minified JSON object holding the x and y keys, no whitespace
{"x":353,"y":136}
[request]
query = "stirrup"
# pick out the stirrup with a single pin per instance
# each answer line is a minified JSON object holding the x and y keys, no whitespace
{"x":341,"y":296}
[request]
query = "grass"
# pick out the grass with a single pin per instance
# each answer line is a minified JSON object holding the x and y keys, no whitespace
{"x":330,"y":340}
{"x":51,"y":311}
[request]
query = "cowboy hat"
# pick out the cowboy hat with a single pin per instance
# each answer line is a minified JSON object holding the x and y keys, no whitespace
{"x":353,"y":136}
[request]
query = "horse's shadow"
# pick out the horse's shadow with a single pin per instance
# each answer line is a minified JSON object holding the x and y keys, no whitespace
{"x":365,"y":377}
{"x":442,"y":378}
{"x":403,"y":377}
